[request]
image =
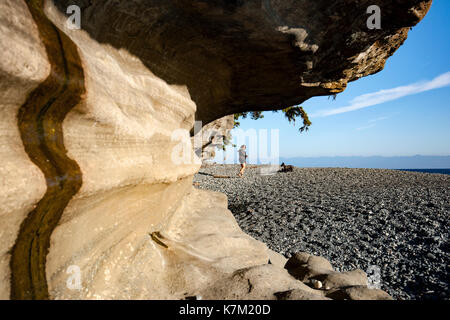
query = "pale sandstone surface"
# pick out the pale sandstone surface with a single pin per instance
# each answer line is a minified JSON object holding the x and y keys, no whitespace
{"x":121,"y":137}
{"x":272,"y":282}
{"x":352,"y":278}
{"x":124,"y":127}
{"x":317,"y":272}
{"x":277,"y":259}
{"x":255,"y":283}
{"x":111,"y":242}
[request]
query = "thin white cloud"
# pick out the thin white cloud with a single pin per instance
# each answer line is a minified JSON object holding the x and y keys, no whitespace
{"x":372,"y":123}
{"x":365,"y":127}
{"x":382,"y":96}
{"x":378,"y":119}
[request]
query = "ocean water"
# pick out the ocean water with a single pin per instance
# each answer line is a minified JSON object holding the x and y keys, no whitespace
{"x":442,"y":171}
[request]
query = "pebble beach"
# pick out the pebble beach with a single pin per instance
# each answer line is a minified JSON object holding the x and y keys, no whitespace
{"x":392,"y":220}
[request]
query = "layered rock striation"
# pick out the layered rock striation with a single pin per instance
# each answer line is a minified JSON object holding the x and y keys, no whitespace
{"x":97,"y":159}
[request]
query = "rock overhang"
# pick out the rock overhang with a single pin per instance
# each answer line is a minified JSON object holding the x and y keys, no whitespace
{"x":253,"y":55}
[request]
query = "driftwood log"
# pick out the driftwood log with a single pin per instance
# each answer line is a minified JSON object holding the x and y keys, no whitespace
{"x":286,"y":168}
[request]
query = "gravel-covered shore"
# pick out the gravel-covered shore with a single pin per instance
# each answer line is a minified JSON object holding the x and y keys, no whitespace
{"x":355,"y":218}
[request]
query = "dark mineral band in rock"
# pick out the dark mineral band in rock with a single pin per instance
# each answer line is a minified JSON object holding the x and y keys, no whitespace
{"x":40,"y":123}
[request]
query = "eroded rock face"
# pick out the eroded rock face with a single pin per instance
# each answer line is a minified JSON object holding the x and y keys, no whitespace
{"x":317,"y":273}
{"x":236,"y":56}
{"x":23,"y":66}
{"x":97,"y":160}
{"x":272,"y":282}
{"x":212,"y":137}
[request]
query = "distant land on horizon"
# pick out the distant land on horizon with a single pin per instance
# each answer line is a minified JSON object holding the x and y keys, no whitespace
{"x":375,"y":162}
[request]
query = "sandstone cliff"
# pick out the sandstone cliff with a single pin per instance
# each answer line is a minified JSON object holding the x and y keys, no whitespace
{"x":96,"y":158}
{"x":212,"y":137}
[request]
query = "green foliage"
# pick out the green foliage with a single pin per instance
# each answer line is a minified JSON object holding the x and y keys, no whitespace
{"x":227,"y":141}
{"x":291,"y":113}
{"x":254,"y":115}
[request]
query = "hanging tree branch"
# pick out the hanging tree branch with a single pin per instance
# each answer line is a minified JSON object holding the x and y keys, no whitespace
{"x":291,"y":113}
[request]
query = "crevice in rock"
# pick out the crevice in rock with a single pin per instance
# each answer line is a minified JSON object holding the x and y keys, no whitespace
{"x":40,"y":123}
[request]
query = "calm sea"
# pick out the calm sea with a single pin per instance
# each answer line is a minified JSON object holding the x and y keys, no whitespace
{"x":443,"y":171}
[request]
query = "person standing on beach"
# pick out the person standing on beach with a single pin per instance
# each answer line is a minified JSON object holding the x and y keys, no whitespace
{"x":242,"y":160}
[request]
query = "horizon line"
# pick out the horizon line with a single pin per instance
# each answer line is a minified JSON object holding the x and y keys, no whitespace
{"x":363,"y":156}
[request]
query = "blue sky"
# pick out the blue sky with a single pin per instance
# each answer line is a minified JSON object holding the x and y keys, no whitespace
{"x":416,"y":122}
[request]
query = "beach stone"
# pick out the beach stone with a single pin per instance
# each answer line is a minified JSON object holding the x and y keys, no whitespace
{"x":316,"y":284}
{"x":303,"y":266}
{"x":359,"y":293}
{"x":317,"y":264}
{"x":296,"y":260}
{"x":332,"y":280}
{"x":255,"y":283}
